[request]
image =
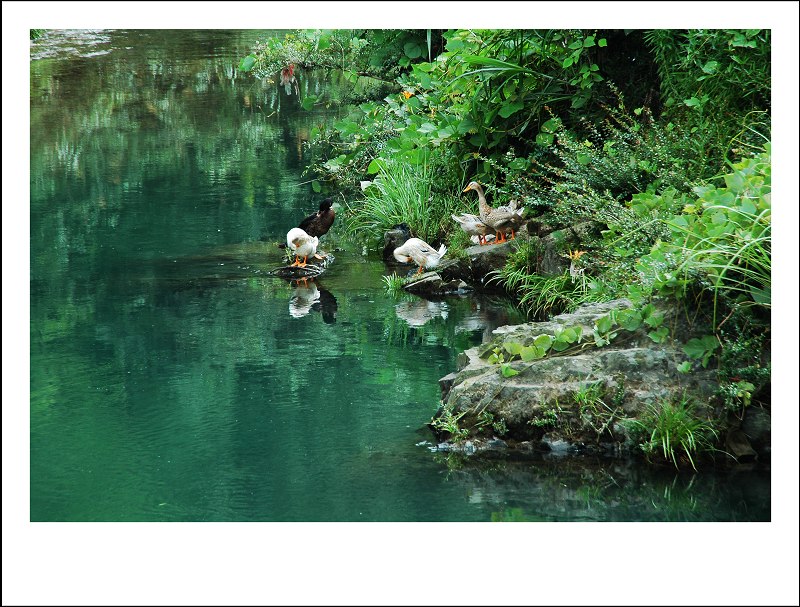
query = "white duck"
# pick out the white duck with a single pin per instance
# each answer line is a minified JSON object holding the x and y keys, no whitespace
{"x":302,"y":245}
{"x":473,"y":226}
{"x":420,"y":252}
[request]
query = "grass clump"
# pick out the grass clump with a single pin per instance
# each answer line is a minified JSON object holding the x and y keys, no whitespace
{"x":402,"y":193}
{"x":677,"y":433}
{"x":393,"y":284}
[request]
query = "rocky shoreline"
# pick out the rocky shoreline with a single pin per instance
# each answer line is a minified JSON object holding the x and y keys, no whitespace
{"x":587,"y":399}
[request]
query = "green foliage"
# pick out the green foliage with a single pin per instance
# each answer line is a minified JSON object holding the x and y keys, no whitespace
{"x":676,"y":432}
{"x":730,"y":67}
{"x":728,"y":241}
{"x":37,"y":34}
{"x":393,"y":284}
{"x":593,"y":410}
{"x":709,"y":80}
{"x":402,"y":193}
{"x":487,"y":419}
{"x":373,"y":53}
{"x":720,"y":242}
{"x":448,"y":422}
{"x":484,"y":92}
{"x":701,"y":348}
{"x":541,"y":295}
{"x":548,"y":417}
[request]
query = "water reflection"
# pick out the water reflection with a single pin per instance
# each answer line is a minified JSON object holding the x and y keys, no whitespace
{"x":542,"y":488}
{"x":308,"y":296}
{"x":418,"y":312}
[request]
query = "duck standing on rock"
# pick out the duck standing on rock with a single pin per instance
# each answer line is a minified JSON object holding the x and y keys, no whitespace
{"x":420,"y":252}
{"x":302,"y":245}
{"x":502,"y":219}
{"x":318,"y":224}
{"x":473,"y":226}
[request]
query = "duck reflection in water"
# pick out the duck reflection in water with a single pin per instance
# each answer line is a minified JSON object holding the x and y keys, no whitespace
{"x":307,"y":296}
{"x":418,"y":312}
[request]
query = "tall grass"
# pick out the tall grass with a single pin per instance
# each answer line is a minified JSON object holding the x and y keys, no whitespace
{"x":738,"y":263}
{"x":402,"y":193}
{"x":540,"y":295}
{"x":677,"y":432}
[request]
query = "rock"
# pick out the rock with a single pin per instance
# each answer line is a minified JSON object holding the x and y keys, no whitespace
{"x":737,"y":444}
{"x":558,"y":446}
{"x":756,"y":425}
{"x":547,"y":397}
{"x":445,"y":383}
{"x":432,"y":284}
{"x":314,"y":268}
{"x":393,"y":239}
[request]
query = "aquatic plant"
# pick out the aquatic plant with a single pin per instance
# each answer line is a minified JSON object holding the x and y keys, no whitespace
{"x":393,"y":284}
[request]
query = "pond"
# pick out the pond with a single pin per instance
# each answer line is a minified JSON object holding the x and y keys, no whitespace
{"x":173,"y":379}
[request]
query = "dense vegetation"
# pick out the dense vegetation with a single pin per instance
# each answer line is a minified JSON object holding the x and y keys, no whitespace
{"x":656,"y":143}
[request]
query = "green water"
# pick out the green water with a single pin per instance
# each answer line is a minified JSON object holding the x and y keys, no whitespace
{"x":173,"y":379}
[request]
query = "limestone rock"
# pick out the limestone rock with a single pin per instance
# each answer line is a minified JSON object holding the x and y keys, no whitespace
{"x":548,"y":397}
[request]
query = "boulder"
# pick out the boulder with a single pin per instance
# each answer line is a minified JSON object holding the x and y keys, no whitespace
{"x":394,"y":238}
{"x":585,"y":399}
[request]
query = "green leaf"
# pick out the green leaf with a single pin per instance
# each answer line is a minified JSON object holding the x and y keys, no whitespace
{"x":551,"y":126}
{"x":544,"y":342}
{"x":659,"y":335}
{"x":684,"y":367}
{"x":544,"y":139}
{"x":602,"y":42}
{"x":507,"y":371}
{"x":412,"y":50}
{"x":466,"y":125}
{"x":603,"y":324}
{"x":376,"y":165}
{"x":513,"y":348}
{"x":567,"y":62}
{"x":530,"y":353}
{"x":559,"y":345}
{"x":323,"y":42}
{"x":246,"y":64}
{"x":570,"y":334}
{"x":505,"y":65}
{"x":511,"y":108}
{"x":629,"y":319}
{"x":583,"y":158}
{"x":309,"y":102}
{"x":316,"y":186}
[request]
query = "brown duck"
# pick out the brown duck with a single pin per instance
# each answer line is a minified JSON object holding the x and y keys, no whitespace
{"x":502,"y":219}
{"x":320,"y":222}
